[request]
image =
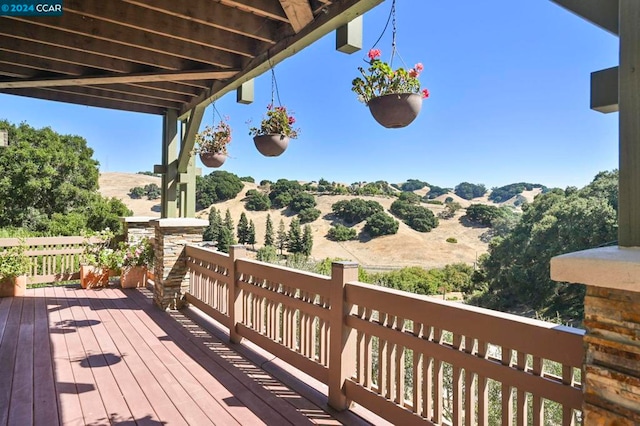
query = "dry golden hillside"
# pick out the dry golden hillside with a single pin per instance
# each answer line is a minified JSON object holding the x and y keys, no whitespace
{"x":406,"y":248}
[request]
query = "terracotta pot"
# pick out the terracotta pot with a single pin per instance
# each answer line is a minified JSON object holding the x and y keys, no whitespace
{"x":211,"y":159}
{"x":93,"y":276}
{"x":271,"y":145}
{"x":395,"y":110}
{"x":13,"y":286}
{"x":133,"y":276}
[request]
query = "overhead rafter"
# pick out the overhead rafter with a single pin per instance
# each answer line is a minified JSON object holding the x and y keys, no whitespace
{"x":603,"y":13}
{"x":111,"y":79}
{"x":298,"y":12}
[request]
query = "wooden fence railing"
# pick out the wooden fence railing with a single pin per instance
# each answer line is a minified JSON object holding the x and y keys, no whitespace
{"x":407,"y":358}
{"x":51,"y":258}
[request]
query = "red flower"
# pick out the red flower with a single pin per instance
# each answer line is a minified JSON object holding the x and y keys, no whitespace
{"x":291,"y":120}
{"x":374,"y":54}
{"x":413,"y":73}
{"x":425,"y":93}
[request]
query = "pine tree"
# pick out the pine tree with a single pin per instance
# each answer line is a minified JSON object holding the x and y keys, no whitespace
{"x":225,"y":239}
{"x":307,"y":241}
{"x":243,"y":229}
{"x":228,"y":221}
{"x":281,"y":237}
{"x":251,"y":234}
{"x":294,"y":237}
{"x":211,"y":232}
{"x":268,"y":233}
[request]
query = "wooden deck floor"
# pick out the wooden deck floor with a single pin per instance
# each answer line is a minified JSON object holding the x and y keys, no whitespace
{"x":97,"y":357}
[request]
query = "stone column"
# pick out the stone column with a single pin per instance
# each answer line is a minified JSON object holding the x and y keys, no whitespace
{"x":171,"y":277}
{"x":138,"y":227}
{"x":611,"y":371}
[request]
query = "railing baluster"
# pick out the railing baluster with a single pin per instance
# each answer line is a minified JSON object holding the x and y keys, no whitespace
{"x":568,"y":419}
{"x":437,"y":380}
{"x":469,"y":386}
{"x":458,"y":384}
{"x":521,"y":396}
{"x":418,"y":379}
{"x":390,"y":371}
{"x":507,"y":391}
{"x":538,"y":406}
{"x":399,"y":381}
{"x":483,"y":388}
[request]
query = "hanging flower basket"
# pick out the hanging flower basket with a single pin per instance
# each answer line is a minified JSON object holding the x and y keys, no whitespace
{"x":272,"y":137}
{"x":395,"y":110}
{"x":213,"y":159}
{"x":271,"y":145}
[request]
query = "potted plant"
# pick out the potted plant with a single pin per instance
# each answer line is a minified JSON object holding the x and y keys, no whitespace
{"x":276,"y":128}
{"x":97,"y":260}
{"x":393,"y":96}
{"x":212,"y":144}
{"x":14,"y":265}
{"x":136,"y":258}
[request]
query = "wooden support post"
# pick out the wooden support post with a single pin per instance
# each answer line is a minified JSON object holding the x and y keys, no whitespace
{"x":169,"y":192}
{"x":235,"y":295}
{"x":342,"y":339}
{"x":629,"y":116}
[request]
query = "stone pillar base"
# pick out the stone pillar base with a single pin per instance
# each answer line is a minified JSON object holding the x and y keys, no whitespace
{"x":170,"y":271}
{"x":611,"y":373}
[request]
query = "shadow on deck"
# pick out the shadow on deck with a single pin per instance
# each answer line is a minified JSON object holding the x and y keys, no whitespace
{"x":85,"y":357}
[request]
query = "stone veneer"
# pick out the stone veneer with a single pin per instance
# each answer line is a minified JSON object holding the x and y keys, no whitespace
{"x":170,"y":271}
{"x":611,"y":373}
{"x":138,"y":227}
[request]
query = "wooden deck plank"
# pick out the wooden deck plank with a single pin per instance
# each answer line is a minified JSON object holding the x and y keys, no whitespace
{"x":45,"y":409}
{"x":166,"y":371}
{"x":227,"y":399}
{"x":251,"y":385}
{"x":8,"y":348}
{"x":69,"y":408}
{"x":143,"y":377}
{"x":93,"y":409}
{"x":20,"y":407}
{"x":5,"y":307}
{"x":140,"y":407}
{"x":99,"y":362}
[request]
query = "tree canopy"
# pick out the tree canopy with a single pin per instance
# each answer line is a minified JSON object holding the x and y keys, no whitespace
{"x":469,"y":191}
{"x":217,"y":186}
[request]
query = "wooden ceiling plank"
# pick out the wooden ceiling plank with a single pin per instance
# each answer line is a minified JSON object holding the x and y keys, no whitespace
{"x":298,"y":12}
{"x":112,"y":79}
{"x":50,"y":95}
{"x":266,"y":8}
{"x":96,"y":92}
{"x":160,"y":24}
{"x":220,"y":16}
{"x":338,"y":14}
{"x":170,"y":87}
{"x":148,"y":92}
{"x":39,"y":65}
{"x":119,"y":36}
{"x":88,"y":45}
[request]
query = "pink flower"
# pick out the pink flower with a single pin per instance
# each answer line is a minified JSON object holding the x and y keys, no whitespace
{"x":374,"y":54}
{"x":419,"y":67}
{"x":413,"y":73}
{"x":292,"y":120}
{"x":425,"y":93}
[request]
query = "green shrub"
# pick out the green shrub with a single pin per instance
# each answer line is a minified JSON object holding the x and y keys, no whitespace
{"x":257,"y":201}
{"x":419,"y":218}
{"x":436,"y":202}
{"x":381,"y":224}
{"x":452,"y":240}
{"x":247,"y":179}
{"x":308,"y":215}
{"x":356,"y":210}
{"x":301,"y":201}
{"x":267,"y":254}
{"x":341,"y":233}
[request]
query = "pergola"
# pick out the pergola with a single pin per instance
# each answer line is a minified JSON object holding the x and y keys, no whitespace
{"x":166,"y":58}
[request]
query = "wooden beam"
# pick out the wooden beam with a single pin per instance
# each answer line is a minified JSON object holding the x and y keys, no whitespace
{"x":122,"y":79}
{"x":298,"y":12}
{"x":160,"y":24}
{"x":218,"y":15}
{"x":603,"y":13}
{"x":604,"y":90}
{"x":337,"y":14}
{"x":265,"y":8}
{"x":189,"y":138}
{"x":629,"y":99}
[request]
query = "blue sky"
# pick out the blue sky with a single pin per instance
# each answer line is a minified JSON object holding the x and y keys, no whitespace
{"x":509,"y":83}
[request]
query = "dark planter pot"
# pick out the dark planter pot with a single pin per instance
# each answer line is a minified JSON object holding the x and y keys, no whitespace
{"x":213,"y":160}
{"x":271,"y":145}
{"x":395,"y":110}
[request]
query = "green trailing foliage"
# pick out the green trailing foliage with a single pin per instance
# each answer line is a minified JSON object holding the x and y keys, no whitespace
{"x":217,"y":186}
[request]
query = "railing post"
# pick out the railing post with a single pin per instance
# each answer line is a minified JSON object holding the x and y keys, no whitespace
{"x":235,"y":294}
{"x":342,"y":339}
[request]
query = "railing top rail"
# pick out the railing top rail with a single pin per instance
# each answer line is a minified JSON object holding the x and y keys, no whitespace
{"x":539,"y":338}
{"x":204,"y":253}
{"x":305,"y":281}
{"x":42,"y":241}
